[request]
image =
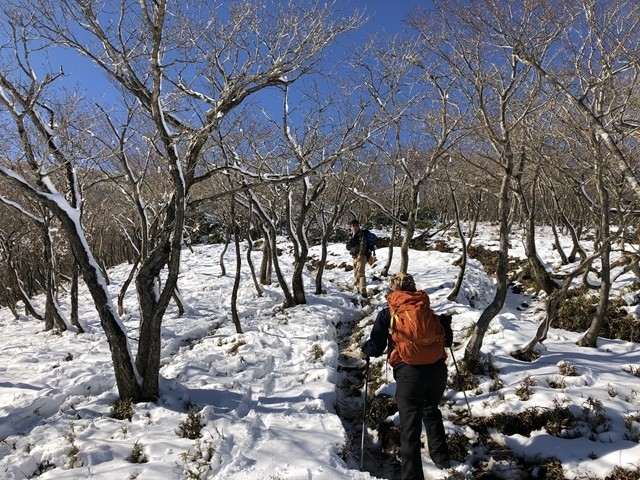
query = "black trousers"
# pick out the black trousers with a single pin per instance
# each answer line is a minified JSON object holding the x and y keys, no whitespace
{"x":419,"y":390}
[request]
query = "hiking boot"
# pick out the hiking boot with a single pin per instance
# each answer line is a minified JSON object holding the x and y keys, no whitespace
{"x":443,"y":465}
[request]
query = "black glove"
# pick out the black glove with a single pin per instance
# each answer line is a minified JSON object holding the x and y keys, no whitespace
{"x":366,"y":349}
{"x":445,"y":321}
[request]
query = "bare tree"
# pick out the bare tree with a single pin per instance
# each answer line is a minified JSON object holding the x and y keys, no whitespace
{"x":593,"y":66}
{"x":188,"y":69}
{"x":13,"y":288}
{"x":39,"y":185}
{"x":236,"y":281}
{"x":590,"y":337}
{"x":270,"y":220}
{"x":455,"y":291}
{"x":249,"y":231}
{"x":553,"y":302}
{"x":528,"y":203}
{"x":52,"y":313}
{"x":331,"y":208}
{"x":316,"y":147}
{"x":501,"y":94}
{"x":421,"y":120}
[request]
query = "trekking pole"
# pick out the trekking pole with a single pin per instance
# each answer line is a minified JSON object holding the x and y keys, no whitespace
{"x":364,"y":413}
{"x":460,"y":386}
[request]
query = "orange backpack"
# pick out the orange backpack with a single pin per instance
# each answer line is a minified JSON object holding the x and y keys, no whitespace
{"x":417,"y":336}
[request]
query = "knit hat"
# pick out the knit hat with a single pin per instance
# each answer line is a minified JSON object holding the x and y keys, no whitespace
{"x":403,"y":281}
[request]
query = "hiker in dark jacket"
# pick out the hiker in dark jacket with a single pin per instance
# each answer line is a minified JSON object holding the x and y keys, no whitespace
{"x":419,"y":389}
{"x":357,"y":246}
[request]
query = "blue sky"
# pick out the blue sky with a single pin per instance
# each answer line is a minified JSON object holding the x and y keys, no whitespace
{"x":386,"y":18}
{"x":387,"y":15}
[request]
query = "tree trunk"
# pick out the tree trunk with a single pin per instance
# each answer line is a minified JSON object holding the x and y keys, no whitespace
{"x":75,"y":317}
{"x":52,"y":315}
{"x":590,"y":338}
{"x":537,"y":270}
{"x":252,"y":267}
{"x":227,"y":240}
{"x":289,"y":301}
{"x":556,"y":241}
{"x":105,"y":273}
{"x":267,"y":259}
{"x":553,"y":302}
{"x":29,"y":308}
{"x":322,"y":262}
{"x":297,"y":280}
{"x":453,"y":295}
{"x":236,"y":281}
{"x":392,"y":242}
{"x":7,"y":287}
{"x":124,"y":368}
{"x":474,"y":222}
{"x":125,"y":286}
{"x":575,"y":239}
{"x":11,"y":304}
{"x":472,"y":352}
{"x":177,"y":298}
{"x":153,"y":304}
{"x":410,"y":229}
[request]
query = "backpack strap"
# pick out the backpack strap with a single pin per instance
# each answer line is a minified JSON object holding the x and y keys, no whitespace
{"x":392,"y":323}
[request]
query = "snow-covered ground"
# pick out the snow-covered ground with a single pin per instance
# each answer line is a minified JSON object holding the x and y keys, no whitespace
{"x":267,"y":396}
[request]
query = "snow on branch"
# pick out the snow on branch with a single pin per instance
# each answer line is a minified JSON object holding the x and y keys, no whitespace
{"x":21,"y":209}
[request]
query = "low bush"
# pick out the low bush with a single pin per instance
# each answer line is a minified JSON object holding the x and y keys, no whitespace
{"x":137,"y":454}
{"x":379,"y":408}
{"x":122,"y":408}
{"x":579,"y":308}
{"x":192,"y":425}
{"x":552,"y":420}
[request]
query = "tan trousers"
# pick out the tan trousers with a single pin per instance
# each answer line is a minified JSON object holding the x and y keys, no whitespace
{"x":358,"y":274}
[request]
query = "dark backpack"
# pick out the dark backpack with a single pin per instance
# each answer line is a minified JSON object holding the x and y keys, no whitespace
{"x":372,"y":238}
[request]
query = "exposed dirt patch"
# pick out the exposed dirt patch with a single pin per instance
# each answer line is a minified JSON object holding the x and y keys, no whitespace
{"x":379,"y":441}
{"x":488,"y":258}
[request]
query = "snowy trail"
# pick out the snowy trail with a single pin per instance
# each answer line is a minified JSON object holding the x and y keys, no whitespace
{"x":267,"y":397}
{"x":281,"y":405}
{"x":275,"y":384}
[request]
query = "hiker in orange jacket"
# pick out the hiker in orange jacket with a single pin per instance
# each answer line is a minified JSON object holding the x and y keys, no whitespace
{"x":419,"y":386}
